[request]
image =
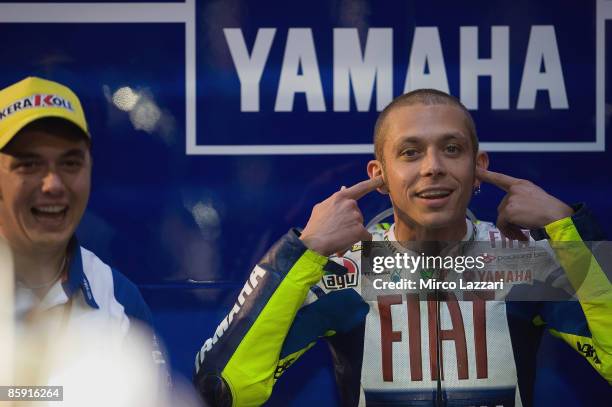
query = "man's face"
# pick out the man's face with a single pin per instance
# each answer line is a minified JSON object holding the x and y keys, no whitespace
{"x":45,"y":179}
{"x":429,"y":165}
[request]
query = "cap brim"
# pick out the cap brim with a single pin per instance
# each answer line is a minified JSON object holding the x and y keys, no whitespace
{"x":7,"y":137}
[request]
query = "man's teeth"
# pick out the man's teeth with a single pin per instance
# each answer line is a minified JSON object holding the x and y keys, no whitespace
{"x":434,"y":194}
{"x":51,"y":209}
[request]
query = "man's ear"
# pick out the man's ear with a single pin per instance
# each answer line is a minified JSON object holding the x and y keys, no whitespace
{"x":482,"y":161}
{"x":375,"y":168}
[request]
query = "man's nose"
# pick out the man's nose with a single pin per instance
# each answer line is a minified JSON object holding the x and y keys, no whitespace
{"x":432,"y":164}
{"x":53,"y":184}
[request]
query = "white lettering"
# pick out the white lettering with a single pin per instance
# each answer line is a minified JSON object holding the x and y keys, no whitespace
{"x":497,"y":67}
{"x":433,"y":284}
{"x":542,"y":49}
{"x":233,"y":312}
{"x":249,"y":69}
{"x":221,"y":329}
{"x":426,"y":52}
{"x":257,"y":274}
{"x":300,"y":51}
{"x":403,"y":284}
{"x":377,"y":264}
{"x":366,"y":69}
{"x":374,"y":66}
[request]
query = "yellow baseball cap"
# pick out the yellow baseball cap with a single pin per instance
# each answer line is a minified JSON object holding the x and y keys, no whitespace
{"x":35,"y":98}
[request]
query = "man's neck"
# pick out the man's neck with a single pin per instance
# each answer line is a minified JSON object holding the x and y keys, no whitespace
{"x":39,"y":269}
{"x":405,"y":231}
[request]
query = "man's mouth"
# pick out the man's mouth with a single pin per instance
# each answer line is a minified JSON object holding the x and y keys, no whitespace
{"x":434,"y":197}
{"x":434,"y":193}
{"x":53,"y":213}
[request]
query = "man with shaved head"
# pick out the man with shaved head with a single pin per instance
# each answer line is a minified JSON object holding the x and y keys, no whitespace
{"x":428,"y":347}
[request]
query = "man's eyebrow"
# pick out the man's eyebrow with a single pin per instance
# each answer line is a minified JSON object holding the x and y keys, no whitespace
{"x":28,"y":155}
{"x":409,"y":140}
{"x":24,"y":155}
{"x":417,"y":140}
{"x":455,"y":135}
{"x":75,"y":152}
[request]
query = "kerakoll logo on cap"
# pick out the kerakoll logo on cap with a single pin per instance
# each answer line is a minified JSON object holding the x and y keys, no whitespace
{"x":36,"y":101}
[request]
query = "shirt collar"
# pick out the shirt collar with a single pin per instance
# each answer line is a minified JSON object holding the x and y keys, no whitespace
{"x":76,"y":276}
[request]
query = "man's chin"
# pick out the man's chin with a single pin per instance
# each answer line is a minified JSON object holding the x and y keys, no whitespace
{"x":51,"y":240}
{"x":439,"y":221}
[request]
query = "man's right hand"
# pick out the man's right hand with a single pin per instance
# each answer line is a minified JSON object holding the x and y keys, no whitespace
{"x":337,"y":223}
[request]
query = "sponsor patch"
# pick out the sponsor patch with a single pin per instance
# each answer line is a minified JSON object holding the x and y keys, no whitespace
{"x":588,"y":351}
{"x":350,"y":279}
{"x":36,"y":101}
{"x":282,"y":367}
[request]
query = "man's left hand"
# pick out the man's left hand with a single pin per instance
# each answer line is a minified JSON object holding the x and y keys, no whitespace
{"x":525,"y":204}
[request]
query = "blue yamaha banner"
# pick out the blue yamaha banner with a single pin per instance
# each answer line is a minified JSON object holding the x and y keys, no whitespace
{"x":526,"y":79}
{"x":217,"y":125}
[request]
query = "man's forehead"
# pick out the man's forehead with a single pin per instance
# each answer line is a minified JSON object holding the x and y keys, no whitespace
{"x":425,"y":122}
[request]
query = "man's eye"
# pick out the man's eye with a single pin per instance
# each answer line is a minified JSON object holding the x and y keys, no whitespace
{"x":411,"y":152}
{"x":27,"y":165}
{"x":453,"y":149}
{"x":73,"y":164}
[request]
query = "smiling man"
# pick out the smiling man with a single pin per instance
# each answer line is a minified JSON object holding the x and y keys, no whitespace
{"x":427,"y":153}
{"x":401,"y":348}
{"x":45,"y":181}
